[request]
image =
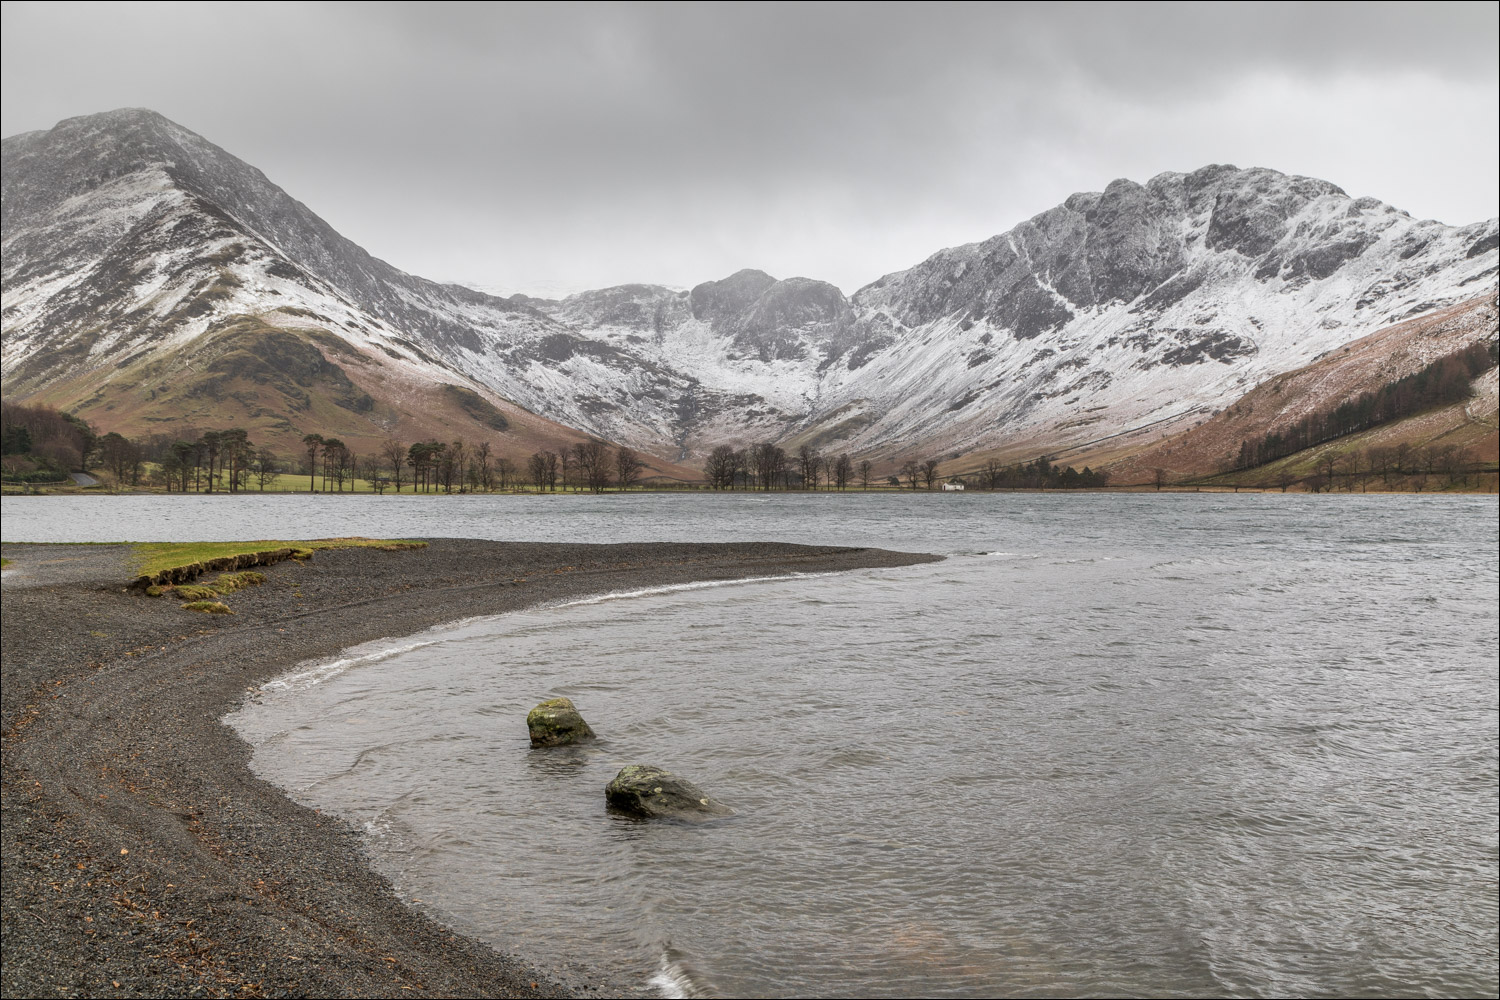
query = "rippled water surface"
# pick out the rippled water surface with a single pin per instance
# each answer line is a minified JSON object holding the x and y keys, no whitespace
{"x":1174,"y":745}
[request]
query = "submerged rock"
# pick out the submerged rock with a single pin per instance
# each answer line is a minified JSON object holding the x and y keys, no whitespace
{"x":643,"y":790}
{"x":556,"y":723}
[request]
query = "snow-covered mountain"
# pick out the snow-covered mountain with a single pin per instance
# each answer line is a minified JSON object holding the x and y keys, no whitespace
{"x":138,"y":258}
{"x":1142,"y":305}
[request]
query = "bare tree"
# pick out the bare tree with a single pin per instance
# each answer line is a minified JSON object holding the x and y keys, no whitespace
{"x":1159,"y":477}
{"x":769,"y":463}
{"x":1328,"y":464}
{"x":930,"y":472}
{"x":628,"y":467}
{"x":843,"y":471}
{"x":809,"y":466}
{"x":1403,"y":457}
{"x":911,"y":472}
{"x":267,"y":467}
{"x":394,"y":452}
{"x":594,"y":466}
{"x":865,"y":467}
{"x":483,"y":473}
{"x":719,"y":468}
{"x":543,"y":468}
{"x":1449,"y":461}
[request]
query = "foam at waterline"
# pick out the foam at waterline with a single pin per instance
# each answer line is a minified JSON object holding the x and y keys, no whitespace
{"x":674,"y":588}
{"x":316,"y":672}
{"x":675,"y":981}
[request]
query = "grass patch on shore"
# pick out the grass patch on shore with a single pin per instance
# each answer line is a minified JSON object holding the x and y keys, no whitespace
{"x":208,"y":607}
{"x":195,"y":592}
{"x":227,"y":583}
{"x":154,"y":557}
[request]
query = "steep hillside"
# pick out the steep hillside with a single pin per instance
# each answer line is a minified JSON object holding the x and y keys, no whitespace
{"x":154,"y":282}
{"x":1364,"y":365}
{"x":153,"y":279}
{"x":1124,"y":313}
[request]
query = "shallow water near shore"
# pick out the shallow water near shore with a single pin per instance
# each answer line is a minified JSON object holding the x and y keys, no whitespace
{"x":1178,"y":745}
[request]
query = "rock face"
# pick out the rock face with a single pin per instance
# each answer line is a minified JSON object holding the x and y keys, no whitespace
{"x":145,"y":267}
{"x":643,"y":790}
{"x":556,"y":723}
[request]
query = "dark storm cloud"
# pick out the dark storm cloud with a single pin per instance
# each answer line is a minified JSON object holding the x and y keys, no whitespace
{"x":594,"y":144}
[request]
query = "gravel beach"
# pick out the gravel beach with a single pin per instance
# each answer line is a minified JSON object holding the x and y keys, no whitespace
{"x":140,"y":855}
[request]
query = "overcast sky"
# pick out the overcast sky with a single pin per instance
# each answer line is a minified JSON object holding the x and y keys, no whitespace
{"x":553,"y":148}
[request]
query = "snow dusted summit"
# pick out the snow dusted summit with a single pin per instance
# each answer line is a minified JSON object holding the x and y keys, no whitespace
{"x":138,"y":254}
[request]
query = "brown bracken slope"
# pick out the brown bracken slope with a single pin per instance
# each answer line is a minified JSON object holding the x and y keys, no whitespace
{"x":1360,"y":366}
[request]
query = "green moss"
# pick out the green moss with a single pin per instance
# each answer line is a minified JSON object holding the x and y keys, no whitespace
{"x":556,"y":722}
{"x":161,"y":562}
{"x":153,"y":557}
{"x":228,"y":583}
{"x":195,"y":592}
{"x":208,"y":607}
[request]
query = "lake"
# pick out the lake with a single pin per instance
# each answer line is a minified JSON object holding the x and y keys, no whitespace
{"x":1176,"y":744}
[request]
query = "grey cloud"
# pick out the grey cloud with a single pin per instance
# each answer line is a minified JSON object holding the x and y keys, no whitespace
{"x":677,"y":142}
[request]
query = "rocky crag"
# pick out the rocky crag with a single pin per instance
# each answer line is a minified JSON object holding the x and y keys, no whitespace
{"x":151,"y":278}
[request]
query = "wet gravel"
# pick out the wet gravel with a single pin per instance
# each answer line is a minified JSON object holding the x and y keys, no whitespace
{"x":140,"y":855}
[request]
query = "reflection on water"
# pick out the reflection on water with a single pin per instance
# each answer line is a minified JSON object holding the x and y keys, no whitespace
{"x":1176,"y":746}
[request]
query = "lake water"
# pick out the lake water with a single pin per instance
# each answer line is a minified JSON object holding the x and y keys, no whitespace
{"x":1190,"y":744}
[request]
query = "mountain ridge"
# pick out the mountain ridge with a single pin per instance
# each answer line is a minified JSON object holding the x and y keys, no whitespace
{"x":127,"y":237}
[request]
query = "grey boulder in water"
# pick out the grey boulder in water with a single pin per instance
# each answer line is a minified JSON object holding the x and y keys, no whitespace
{"x":648,"y":791}
{"x":556,"y":723}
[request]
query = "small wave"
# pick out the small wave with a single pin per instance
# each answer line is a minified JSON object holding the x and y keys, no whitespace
{"x":673,"y":588}
{"x":675,"y":981}
{"x":329,"y":669}
{"x":315,"y":673}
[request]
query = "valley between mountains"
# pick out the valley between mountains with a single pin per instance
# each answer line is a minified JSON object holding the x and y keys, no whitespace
{"x":154,"y":283}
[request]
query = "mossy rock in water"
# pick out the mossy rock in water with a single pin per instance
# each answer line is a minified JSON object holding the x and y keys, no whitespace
{"x":208,"y":607}
{"x":643,"y":790}
{"x":556,"y":723}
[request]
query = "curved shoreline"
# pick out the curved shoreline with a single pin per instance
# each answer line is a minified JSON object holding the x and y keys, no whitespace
{"x":140,"y":854}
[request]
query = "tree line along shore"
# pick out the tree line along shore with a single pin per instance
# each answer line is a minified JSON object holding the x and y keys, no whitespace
{"x":43,"y":449}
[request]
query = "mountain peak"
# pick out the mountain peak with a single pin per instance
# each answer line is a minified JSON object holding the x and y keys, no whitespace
{"x":127,"y":235}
